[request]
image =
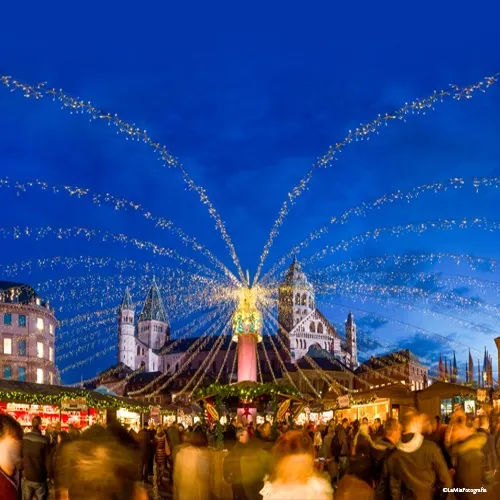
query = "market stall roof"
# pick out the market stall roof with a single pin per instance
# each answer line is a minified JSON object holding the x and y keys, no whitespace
{"x":26,"y":392}
{"x":445,"y":389}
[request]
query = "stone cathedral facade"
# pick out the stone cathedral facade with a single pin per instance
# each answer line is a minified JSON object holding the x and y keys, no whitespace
{"x":302,"y":327}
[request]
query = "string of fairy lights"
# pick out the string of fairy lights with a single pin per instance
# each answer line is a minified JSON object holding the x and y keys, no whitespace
{"x":209,"y":290}
{"x":131,"y":132}
{"x":455,"y":183}
{"x":366,"y":131}
{"x":22,"y":187}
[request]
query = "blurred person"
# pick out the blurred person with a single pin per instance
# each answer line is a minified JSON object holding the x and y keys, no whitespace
{"x":192,"y":472}
{"x":380,"y":456}
{"x":11,"y":443}
{"x":340,"y":447}
{"x":266,"y":436}
{"x":36,"y":462}
{"x":162,"y":451}
{"x":353,"y":488}
{"x":329,"y":458}
{"x":145,"y":446}
{"x":293,"y":475}
{"x":361,"y":463}
{"x":468,"y":453}
{"x":318,"y":443}
{"x":232,"y":464}
{"x":490,"y":454}
{"x":378,"y":429}
{"x":417,"y":469}
{"x":364,"y":421}
{"x":99,"y":467}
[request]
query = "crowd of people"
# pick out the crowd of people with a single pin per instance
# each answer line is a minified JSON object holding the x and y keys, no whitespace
{"x":419,"y":458}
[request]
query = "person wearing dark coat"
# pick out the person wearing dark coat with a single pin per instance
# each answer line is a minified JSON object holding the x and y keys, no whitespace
{"x":36,"y":462}
{"x":380,"y":457}
{"x":340,"y":447}
{"x":417,"y":469}
{"x":468,"y":452}
{"x":232,"y":464}
{"x":145,"y":447}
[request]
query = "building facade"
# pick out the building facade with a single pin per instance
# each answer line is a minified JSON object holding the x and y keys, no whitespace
{"x":27,"y":335}
{"x":301,"y":326}
{"x":401,"y":366}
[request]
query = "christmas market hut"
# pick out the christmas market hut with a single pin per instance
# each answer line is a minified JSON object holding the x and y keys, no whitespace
{"x":442,"y":398}
{"x":60,"y":405}
{"x":386,"y":401}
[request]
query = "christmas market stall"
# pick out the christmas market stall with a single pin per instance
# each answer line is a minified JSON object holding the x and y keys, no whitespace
{"x":442,"y":398}
{"x":389,"y":401}
{"x":61,"y":406}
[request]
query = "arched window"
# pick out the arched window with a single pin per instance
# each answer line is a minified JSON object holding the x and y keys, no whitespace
{"x":312,"y":327}
{"x":297,"y":299}
{"x":304,"y":299}
{"x":138,"y":351}
{"x":320,"y":327}
{"x":311,"y":304}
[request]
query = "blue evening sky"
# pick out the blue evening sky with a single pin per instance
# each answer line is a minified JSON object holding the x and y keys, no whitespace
{"x":247,"y":96}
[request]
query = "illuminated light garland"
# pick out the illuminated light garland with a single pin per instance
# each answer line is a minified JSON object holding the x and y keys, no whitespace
{"x":87,"y":360}
{"x":107,"y":237}
{"x":412,"y":227}
{"x":208,"y":361}
{"x":186,"y":363}
{"x":366,"y":131}
{"x":446,"y":299}
{"x":326,"y":378}
{"x":196,"y":346}
{"x":425,"y":310}
{"x":97,"y":344}
{"x":362,"y":209}
{"x":268,"y":361}
{"x":259,"y":368}
{"x":247,"y":392}
{"x":413,"y":259}
{"x":118,"y":204}
{"x":56,"y":399}
{"x":410,"y":327}
{"x":77,"y":106}
{"x":234,"y":362}
{"x":224,"y":361}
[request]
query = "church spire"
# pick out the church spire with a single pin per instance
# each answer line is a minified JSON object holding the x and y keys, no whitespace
{"x":455,"y":369}
{"x":126,"y":304}
{"x":153,"y":308}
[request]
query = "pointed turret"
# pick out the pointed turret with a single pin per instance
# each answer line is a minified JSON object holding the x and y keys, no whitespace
{"x":455,"y":369}
{"x":153,"y":308}
{"x":478,"y":374}
{"x":471,"y":368}
{"x":466,"y":372}
{"x":441,"y":368}
{"x":127,"y":301}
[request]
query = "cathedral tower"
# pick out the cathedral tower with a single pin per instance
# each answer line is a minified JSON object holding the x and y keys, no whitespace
{"x":350,"y":338}
{"x":126,"y":338}
{"x":153,"y":328}
{"x":295,"y":300}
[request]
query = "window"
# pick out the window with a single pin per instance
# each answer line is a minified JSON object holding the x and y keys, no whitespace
{"x":297,"y":299}
{"x":138,"y":351}
{"x":51,"y":353}
{"x":7,"y":319}
{"x":51,"y":329}
{"x":7,"y":372}
{"x":21,"y":348}
{"x":39,"y":349}
{"x":21,"y":320}
{"x":39,"y":376}
{"x":312,"y":327}
{"x":39,"y":323}
{"x":304,"y":299}
{"x":320,"y":327}
{"x":21,"y":374}
{"x":7,"y":346}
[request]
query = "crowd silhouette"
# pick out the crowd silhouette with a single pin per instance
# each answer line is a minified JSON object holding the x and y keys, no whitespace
{"x":418,"y":458}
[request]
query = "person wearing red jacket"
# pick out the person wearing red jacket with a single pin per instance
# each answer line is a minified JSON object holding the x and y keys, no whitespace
{"x":11,"y":439}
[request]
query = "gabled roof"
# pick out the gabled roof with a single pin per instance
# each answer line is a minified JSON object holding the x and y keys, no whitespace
{"x":390,"y":360}
{"x":127,"y":301}
{"x":153,"y":308}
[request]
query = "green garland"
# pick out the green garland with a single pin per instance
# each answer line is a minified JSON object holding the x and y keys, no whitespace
{"x":56,"y":399}
{"x":247,"y":393}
